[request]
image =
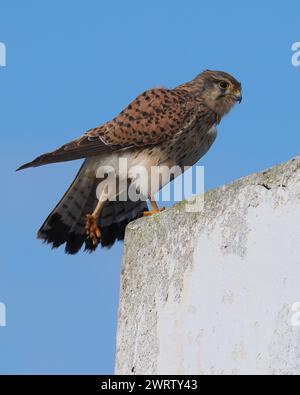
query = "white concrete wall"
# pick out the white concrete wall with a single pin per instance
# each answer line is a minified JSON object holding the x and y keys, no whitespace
{"x":215,"y":292}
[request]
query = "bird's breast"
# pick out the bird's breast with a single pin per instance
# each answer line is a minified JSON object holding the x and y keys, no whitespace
{"x":191,"y":146}
{"x":138,"y":164}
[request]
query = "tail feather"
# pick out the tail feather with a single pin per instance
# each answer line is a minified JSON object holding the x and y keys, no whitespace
{"x":66,"y":225}
{"x":115,"y":217}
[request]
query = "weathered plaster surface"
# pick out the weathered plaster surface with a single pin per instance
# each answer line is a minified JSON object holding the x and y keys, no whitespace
{"x":212,"y":292}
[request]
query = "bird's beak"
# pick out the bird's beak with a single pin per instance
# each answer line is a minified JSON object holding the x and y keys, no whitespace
{"x":238,"y":96}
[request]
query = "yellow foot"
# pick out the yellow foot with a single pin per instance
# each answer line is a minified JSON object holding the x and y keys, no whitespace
{"x":148,"y":213}
{"x":91,"y":228}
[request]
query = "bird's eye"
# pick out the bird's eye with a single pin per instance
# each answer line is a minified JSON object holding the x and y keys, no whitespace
{"x":223,"y":84}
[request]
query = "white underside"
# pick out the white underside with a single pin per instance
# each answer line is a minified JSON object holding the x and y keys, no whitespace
{"x":148,"y":172}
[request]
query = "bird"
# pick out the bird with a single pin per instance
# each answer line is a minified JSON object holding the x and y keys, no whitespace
{"x":161,"y":127}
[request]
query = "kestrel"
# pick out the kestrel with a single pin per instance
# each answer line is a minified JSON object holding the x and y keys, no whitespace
{"x":161,"y":127}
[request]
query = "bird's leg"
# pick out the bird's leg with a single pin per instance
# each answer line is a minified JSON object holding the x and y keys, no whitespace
{"x":154,"y":206}
{"x":91,"y":227}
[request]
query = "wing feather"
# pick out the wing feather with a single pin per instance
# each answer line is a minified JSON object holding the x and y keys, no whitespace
{"x":152,"y":118}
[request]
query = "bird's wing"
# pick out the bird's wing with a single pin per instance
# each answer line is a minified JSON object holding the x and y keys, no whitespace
{"x":150,"y":119}
{"x":153,"y":117}
{"x":82,"y":147}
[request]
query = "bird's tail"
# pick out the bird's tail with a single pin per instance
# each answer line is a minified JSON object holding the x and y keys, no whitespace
{"x":66,"y":223}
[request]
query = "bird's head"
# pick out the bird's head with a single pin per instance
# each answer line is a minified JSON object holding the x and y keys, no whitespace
{"x":219,"y":90}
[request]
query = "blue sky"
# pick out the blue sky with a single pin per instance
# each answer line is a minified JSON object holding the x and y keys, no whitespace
{"x":73,"y":65}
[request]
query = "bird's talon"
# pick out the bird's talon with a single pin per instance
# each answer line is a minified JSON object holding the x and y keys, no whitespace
{"x":92,"y":230}
{"x":149,"y":213}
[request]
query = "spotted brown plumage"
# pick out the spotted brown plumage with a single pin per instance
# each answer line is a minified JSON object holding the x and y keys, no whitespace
{"x":160,"y":127}
{"x":150,"y":119}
